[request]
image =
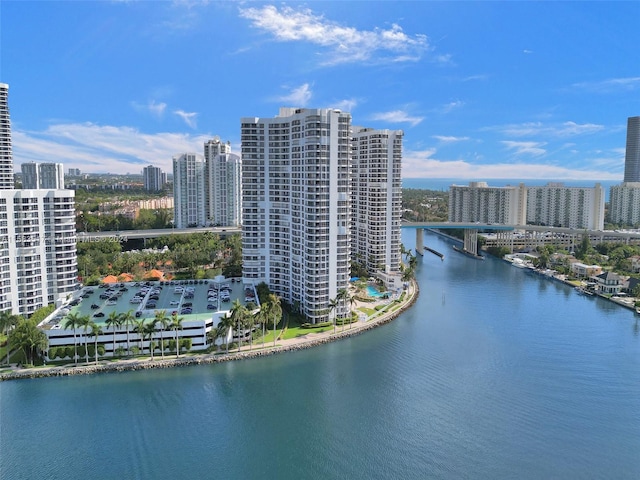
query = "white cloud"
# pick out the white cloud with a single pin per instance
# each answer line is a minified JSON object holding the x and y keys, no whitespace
{"x":96,"y":148}
{"x":423,"y":164}
{"x":525,"y":148}
{"x":397,"y":116}
{"x":344,"y":44}
{"x":188,"y":117}
{"x":450,"y":139}
{"x":346,"y":105}
{"x":566,"y":129}
{"x":298,"y":97}
{"x":155,"y":109}
{"x":451,"y":106}
{"x":610,"y":85}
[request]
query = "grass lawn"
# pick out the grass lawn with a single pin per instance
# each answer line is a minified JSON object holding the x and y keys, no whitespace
{"x":294,"y":332}
{"x":367,"y":311}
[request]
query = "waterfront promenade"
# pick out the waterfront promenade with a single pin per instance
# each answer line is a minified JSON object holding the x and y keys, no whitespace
{"x":308,"y":340}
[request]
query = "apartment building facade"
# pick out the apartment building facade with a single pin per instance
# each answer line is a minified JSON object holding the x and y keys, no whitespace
{"x":296,"y":206}
{"x":189,"y":203}
{"x":557,"y":205}
{"x":223,"y":184}
{"x":478,"y":202}
{"x":376,"y":198}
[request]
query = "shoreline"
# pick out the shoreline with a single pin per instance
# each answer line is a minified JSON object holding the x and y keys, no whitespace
{"x":289,"y":345}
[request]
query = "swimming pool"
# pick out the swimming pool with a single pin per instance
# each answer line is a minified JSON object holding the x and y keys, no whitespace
{"x":373,"y":292}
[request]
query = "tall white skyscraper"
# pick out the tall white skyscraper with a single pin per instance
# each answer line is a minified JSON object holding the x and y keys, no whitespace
{"x":223,"y":184}
{"x":478,"y":202}
{"x":38,"y":262}
{"x":154,"y":178}
{"x":42,"y":175}
{"x":376,"y":198}
{"x":296,"y":206}
{"x":6,"y":158}
{"x":189,"y":191}
{"x":632,"y":152}
{"x":557,"y":205}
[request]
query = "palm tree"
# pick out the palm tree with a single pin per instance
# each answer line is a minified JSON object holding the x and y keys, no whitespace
{"x":352,"y":303}
{"x":333,"y":304}
{"x":176,"y":324}
{"x":140,"y":330}
{"x":275,"y":313}
{"x":113,"y":322}
{"x":262,"y":317}
{"x":163,"y":320}
{"x":7,"y":322}
{"x":96,"y":331}
{"x":238,"y":315}
{"x":128,"y":320}
{"x":224,"y":326}
{"x":73,"y":321}
{"x":85,"y":323}
{"x":150,"y":330}
{"x":341,"y":297}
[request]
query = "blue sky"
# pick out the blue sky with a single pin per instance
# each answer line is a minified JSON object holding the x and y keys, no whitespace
{"x":538,"y":90}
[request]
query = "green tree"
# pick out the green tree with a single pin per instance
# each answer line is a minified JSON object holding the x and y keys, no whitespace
{"x":114,"y":321}
{"x":239,"y":317}
{"x":85,"y":323}
{"x":26,"y":336}
{"x":162,"y":319}
{"x":224,"y":326}
{"x":96,"y":331}
{"x":73,"y":321}
{"x":275,"y":313}
{"x":7,"y":321}
{"x":333,"y":306}
{"x":128,"y":320}
{"x":176,"y":324}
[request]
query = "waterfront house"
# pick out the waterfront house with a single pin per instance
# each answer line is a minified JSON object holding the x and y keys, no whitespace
{"x":581,"y":270}
{"x":635,"y":264}
{"x":608,"y":283}
{"x":629,"y":285}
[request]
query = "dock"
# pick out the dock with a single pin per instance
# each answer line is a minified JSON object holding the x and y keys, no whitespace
{"x":435,"y":252}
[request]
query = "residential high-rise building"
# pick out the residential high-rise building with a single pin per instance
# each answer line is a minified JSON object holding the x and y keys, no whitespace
{"x":557,"y":205}
{"x":632,"y":152}
{"x":6,"y":158}
{"x":624,"y":204}
{"x":478,"y":202}
{"x":296,"y":206}
{"x":74,"y":172}
{"x":189,"y":191}
{"x":38,"y":263}
{"x":42,"y":175}
{"x":376,"y":198}
{"x":223,"y":184}
{"x":154,"y":178}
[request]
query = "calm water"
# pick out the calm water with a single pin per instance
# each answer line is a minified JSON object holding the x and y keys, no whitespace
{"x":494,"y":373}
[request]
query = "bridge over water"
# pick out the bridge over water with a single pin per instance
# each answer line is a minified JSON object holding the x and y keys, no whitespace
{"x":530,"y":236}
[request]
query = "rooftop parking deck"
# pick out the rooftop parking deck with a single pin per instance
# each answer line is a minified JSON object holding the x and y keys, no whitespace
{"x":190,"y":299}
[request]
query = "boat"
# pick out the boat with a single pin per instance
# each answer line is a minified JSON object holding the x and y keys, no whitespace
{"x":467,"y":252}
{"x":584,"y":291}
{"x":518,"y":263}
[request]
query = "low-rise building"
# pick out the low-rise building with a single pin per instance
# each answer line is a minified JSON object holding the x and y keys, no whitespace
{"x":584,"y":271}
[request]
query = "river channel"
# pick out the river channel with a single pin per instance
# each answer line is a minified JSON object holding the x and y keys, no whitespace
{"x":493,"y":373}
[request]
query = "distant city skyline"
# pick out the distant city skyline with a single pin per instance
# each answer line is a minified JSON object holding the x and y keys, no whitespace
{"x":527,"y":90}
